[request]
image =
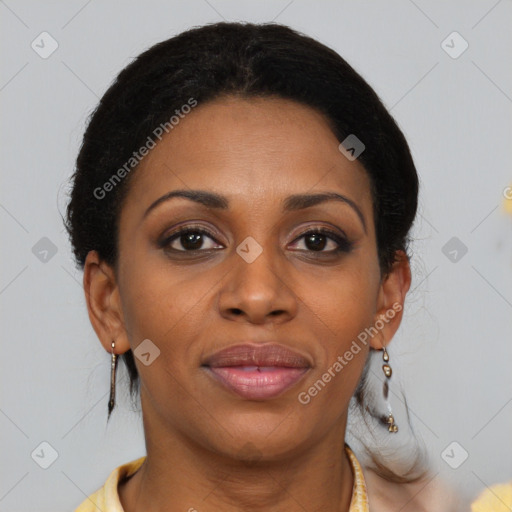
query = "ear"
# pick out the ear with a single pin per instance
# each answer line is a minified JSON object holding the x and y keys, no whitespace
{"x":104,"y":304}
{"x":390,"y":302}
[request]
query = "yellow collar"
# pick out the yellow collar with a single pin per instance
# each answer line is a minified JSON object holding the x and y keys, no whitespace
{"x":359,"y":502}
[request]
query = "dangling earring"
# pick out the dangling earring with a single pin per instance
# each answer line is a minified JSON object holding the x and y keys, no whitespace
{"x":113,"y":366}
{"x":388,"y":420}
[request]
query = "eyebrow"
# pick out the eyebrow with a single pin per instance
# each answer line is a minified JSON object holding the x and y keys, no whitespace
{"x":291,"y":203}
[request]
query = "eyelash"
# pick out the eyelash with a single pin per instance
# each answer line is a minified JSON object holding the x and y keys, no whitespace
{"x":344,"y":245}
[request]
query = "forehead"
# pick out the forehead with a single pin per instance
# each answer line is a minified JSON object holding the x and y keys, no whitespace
{"x":254,"y":150}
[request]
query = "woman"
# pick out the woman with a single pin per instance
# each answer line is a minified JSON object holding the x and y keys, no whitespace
{"x":241,"y":208}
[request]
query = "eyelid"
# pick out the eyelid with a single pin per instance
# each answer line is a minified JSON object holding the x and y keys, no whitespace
{"x":168,"y":237}
{"x":329,"y":230}
{"x":213,"y":233}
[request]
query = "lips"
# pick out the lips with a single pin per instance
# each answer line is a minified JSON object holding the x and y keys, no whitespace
{"x":270,"y":354}
{"x":257,"y":372}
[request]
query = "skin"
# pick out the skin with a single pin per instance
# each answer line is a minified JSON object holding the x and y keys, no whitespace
{"x":206,"y":447}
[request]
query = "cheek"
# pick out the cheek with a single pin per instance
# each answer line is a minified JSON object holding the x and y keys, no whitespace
{"x":346,"y":302}
{"x":167,"y":308}
{"x":342,"y":314}
{"x":343,"y":308}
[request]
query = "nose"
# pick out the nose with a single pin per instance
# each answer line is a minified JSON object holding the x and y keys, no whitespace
{"x":259,"y":291}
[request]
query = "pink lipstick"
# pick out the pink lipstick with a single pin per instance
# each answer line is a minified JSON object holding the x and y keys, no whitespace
{"x":257,"y":372}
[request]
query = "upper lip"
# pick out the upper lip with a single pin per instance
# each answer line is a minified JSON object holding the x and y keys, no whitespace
{"x":249,"y":354}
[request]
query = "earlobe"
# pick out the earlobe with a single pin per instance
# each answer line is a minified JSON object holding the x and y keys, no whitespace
{"x":103,"y":304}
{"x":390,"y":303}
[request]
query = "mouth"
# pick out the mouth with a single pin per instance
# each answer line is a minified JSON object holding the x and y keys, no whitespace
{"x":257,"y":372}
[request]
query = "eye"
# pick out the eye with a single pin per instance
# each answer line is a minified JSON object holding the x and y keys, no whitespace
{"x":316,"y":240}
{"x":190,"y":238}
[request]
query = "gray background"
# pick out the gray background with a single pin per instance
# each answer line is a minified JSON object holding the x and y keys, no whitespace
{"x":453,"y":353}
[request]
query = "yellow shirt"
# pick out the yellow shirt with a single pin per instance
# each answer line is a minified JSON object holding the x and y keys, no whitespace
{"x":106,"y":499}
{"x":497,"y":498}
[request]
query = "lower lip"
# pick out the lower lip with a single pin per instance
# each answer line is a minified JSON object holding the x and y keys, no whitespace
{"x":255,"y":384}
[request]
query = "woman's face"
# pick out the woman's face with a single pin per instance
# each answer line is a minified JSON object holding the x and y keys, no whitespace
{"x":256,"y":277}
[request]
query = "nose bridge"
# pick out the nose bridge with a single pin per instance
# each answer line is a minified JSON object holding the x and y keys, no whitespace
{"x":256,"y":267}
{"x":258,"y":251}
{"x":256,"y":284}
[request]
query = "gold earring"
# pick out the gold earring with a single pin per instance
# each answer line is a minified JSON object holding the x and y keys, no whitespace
{"x":389,"y":420}
{"x":113,"y":365}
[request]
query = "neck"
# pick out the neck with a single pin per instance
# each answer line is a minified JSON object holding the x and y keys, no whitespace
{"x":181,"y":475}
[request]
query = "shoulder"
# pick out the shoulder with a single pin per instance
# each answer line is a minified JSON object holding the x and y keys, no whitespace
{"x":430,"y":494}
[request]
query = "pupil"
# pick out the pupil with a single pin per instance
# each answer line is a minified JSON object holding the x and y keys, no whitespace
{"x":316,"y":244}
{"x":192,"y":241}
